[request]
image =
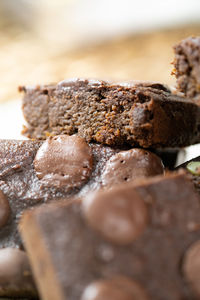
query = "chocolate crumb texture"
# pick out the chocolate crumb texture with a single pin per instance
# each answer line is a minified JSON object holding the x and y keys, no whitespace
{"x":141,"y":114}
{"x":187,"y":67}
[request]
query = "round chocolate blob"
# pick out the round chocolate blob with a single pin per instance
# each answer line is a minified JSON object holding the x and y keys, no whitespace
{"x":191,"y":266}
{"x":64,"y":161}
{"x":120,"y":215}
{"x":4,"y":209}
{"x":114,"y":289}
{"x":15,"y":273}
{"x":130,"y":165}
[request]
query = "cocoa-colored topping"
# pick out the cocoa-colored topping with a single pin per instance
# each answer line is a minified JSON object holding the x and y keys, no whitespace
{"x":191,"y":266}
{"x":15,"y":272}
{"x":64,"y":161}
{"x":131,"y":164}
{"x":4,"y":209}
{"x":120,"y":215}
{"x":118,"y":288}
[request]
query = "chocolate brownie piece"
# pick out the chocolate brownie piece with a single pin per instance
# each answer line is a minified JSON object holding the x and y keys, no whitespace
{"x":144,"y":114}
{"x":187,"y":67}
{"x":33,"y":172}
{"x":135,"y":241}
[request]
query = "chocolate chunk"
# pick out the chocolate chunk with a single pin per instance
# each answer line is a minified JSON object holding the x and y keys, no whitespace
{"x":64,"y":161}
{"x":120,"y":215}
{"x":118,"y":288}
{"x":137,"y":113}
{"x":15,"y":274}
{"x":4,"y":209}
{"x":131,"y":164}
{"x":191,"y":266}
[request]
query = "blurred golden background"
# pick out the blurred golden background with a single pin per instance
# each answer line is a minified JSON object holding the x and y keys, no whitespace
{"x":35,"y":48}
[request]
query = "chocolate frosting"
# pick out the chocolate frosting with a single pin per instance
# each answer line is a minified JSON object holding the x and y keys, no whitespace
{"x":4,"y":209}
{"x":120,"y":215}
{"x":64,"y":161}
{"x":131,"y":164}
{"x":117,"y":288}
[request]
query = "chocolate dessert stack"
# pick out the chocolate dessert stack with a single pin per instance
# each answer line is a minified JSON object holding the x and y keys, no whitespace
{"x":120,"y":225}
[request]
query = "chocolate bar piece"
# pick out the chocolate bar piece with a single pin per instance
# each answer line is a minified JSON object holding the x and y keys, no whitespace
{"x":33,"y":172}
{"x":138,"y":114}
{"x":187,"y":67}
{"x":134,"y":241}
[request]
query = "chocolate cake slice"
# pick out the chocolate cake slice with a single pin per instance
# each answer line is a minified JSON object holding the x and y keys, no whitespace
{"x":134,"y":241}
{"x":187,"y":67}
{"x":135,"y":114}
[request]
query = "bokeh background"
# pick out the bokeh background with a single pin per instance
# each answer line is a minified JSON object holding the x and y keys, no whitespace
{"x":47,"y":41}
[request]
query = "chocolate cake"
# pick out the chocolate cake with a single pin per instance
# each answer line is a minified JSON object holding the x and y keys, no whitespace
{"x":187,"y":67}
{"x":138,"y":114}
{"x":35,"y":172}
{"x":134,"y":241}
